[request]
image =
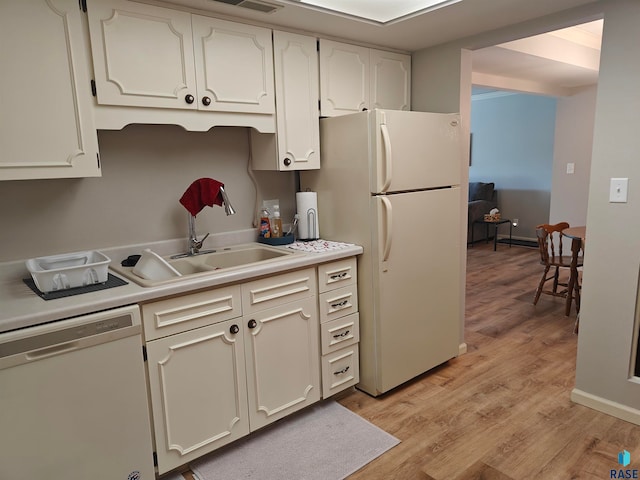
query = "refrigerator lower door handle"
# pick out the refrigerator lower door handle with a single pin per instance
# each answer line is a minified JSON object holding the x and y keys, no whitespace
{"x":387,"y":227}
{"x":388,"y":160}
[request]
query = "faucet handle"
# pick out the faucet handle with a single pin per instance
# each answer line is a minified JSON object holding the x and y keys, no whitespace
{"x":198,"y":243}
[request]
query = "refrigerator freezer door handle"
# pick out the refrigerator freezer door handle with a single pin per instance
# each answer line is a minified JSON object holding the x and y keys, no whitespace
{"x":387,"y":157}
{"x":388,"y":227}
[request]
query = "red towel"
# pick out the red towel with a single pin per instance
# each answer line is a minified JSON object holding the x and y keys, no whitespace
{"x":203,"y":192}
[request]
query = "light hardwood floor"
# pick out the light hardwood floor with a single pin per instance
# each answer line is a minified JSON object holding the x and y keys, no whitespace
{"x":502,"y":410}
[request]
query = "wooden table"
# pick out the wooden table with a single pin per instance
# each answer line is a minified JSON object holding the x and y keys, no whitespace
{"x":578,"y":237}
{"x":495,"y":224}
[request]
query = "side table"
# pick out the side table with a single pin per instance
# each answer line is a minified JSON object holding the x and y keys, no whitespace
{"x":496,"y":224}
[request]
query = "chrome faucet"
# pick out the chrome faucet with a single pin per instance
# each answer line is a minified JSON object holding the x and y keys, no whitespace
{"x":194,"y":244}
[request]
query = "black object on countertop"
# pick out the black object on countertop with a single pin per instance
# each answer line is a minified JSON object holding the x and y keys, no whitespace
{"x":130,"y":261}
{"x":112,"y":281}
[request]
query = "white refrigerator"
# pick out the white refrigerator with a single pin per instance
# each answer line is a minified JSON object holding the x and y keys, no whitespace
{"x":390,"y":181}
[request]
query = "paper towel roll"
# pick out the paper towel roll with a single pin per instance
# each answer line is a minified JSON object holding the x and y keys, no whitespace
{"x":308,"y":226}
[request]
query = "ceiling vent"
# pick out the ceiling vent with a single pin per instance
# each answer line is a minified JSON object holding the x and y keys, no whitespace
{"x":257,"y":5}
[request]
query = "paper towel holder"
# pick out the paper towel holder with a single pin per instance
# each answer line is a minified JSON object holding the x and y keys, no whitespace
{"x":311,"y":220}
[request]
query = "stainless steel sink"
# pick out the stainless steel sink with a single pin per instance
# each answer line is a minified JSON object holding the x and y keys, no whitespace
{"x":217,"y":261}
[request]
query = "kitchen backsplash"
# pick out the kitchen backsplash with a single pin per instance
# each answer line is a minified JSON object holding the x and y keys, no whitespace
{"x":145,"y":170}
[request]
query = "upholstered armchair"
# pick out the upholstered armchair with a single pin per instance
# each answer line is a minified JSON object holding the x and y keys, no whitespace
{"x":482,"y":198}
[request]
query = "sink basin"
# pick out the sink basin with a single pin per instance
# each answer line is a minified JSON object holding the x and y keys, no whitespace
{"x":217,"y":261}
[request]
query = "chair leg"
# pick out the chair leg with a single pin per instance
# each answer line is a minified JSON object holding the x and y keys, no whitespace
{"x":576,"y":290}
{"x":539,"y":289}
{"x":556,"y":277}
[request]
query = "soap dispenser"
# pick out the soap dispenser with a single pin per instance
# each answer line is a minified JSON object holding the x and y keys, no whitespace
{"x":276,"y":225}
{"x":265,"y":227}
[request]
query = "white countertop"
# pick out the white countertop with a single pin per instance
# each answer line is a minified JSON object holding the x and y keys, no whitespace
{"x":21,"y":307}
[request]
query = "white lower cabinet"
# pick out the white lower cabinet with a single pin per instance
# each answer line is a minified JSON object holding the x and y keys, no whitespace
{"x":339,"y":325}
{"x":215,"y":376}
{"x":283,"y":361}
{"x":198,"y":391}
{"x":225,"y":362}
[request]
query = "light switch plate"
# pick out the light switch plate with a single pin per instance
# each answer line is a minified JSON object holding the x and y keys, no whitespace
{"x":618,"y":190}
{"x":571,"y":168}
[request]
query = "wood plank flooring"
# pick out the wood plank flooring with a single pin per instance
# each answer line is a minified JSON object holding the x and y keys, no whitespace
{"x":501,"y":411}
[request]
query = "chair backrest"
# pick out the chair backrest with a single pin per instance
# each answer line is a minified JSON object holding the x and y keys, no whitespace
{"x":550,"y":237}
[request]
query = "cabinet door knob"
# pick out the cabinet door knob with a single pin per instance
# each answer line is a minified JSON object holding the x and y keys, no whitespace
{"x":206,"y":101}
{"x":287,"y":162}
{"x":189,"y":99}
{"x":234,"y":329}
{"x":252,"y":324}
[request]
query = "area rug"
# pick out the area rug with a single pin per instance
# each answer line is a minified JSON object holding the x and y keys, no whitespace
{"x":323,"y":442}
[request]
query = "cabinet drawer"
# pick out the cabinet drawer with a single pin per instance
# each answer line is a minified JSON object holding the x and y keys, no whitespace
{"x":340,"y":370}
{"x":336,"y":274}
{"x":175,"y":315}
{"x":273,"y":291}
{"x":340,"y":333}
{"x":338,"y":303}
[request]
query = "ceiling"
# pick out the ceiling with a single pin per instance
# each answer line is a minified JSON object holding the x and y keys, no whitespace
{"x":558,"y":63}
{"x":561,"y":60}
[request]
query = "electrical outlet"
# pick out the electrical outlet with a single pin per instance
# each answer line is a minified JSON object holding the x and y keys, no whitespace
{"x":618,"y":190}
{"x":571,"y":167}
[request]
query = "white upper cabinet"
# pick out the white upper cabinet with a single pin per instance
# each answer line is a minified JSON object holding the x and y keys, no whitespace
{"x":142,"y":55}
{"x":149,"y":56}
{"x":234,"y":66}
{"x":344,"y":78}
{"x":296,"y":146}
{"x":47,"y":128}
{"x":390,"y":83}
{"x":354,"y":78}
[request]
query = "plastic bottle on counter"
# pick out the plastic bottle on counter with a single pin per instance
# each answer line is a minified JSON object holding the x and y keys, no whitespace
{"x":276,"y":224}
{"x":265,"y":226}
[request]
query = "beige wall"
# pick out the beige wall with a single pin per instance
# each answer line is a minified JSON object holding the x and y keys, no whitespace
{"x":573,"y":144}
{"x":441,"y":83}
{"x":145,"y":170}
{"x":612,"y":257}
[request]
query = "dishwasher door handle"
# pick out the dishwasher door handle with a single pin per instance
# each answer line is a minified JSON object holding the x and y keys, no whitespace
{"x":53,"y":351}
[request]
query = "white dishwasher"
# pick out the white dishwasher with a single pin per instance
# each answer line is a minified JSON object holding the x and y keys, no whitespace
{"x":73,"y":400}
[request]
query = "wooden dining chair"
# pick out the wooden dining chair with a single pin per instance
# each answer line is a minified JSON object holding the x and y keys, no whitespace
{"x":550,"y":246}
{"x":575,"y":287}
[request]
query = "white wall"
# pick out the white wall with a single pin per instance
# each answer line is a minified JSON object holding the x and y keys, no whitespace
{"x":145,"y":170}
{"x":574,"y":143}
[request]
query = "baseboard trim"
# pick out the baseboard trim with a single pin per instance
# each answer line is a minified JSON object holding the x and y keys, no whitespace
{"x":603,"y":405}
{"x":462,"y":349}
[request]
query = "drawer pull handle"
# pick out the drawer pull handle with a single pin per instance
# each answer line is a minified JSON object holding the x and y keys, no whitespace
{"x":234,"y":329}
{"x":338,"y":276}
{"x":343,"y":334}
{"x":252,"y":324}
{"x":340,"y":304}
{"x":340,"y":372}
